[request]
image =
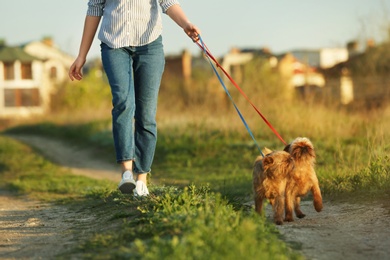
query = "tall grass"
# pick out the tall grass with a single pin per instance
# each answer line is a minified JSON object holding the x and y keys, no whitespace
{"x":200,"y":151}
{"x":202,"y":139}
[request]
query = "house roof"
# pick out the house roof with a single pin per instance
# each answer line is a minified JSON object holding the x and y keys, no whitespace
{"x":11,"y":54}
{"x":309,"y":57}
{"x":262,"y":52}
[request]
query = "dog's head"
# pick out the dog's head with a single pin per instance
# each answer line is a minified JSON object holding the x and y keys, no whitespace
{"x":301,"y":149}
{"x":277,"y":164}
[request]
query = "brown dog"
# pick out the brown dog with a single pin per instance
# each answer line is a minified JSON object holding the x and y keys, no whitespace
{"x":270,"y":176}
{"x":302,"y":179}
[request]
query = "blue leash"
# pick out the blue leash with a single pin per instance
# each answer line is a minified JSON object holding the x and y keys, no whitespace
{"x":230,"y":97}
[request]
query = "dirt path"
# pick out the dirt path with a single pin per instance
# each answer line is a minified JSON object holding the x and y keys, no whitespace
{"x":344,"y":230}
{"x":33,"y":230}
{"x":80,"y":160}
{"x":23,"y":223}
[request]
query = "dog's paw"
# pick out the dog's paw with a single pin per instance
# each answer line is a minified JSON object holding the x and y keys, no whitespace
{"x":318,"y":206}
{"x":299,"y":213}
{"x":279,"y":222}
{"x":289,"y":219}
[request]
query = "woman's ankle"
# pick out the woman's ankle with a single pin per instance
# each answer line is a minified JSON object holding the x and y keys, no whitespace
{"x":142,"y":177}
{"x":127,"y":166}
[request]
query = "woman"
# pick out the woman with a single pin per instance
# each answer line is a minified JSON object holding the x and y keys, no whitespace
{"x":133,"y":59}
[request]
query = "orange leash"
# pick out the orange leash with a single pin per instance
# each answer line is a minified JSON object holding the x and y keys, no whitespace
{"x":206,"y":50}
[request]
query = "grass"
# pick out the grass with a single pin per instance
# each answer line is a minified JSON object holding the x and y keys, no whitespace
{"x":204,"y":171}
{"x":174,"y":223}
{"x":216,"y":149}
{"x":203,"y":165}
{"x":24,"y":172}
{"x":181,"y":221}
{"x":190,"y":223}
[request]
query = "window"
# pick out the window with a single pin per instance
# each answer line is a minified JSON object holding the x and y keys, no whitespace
{"x":20,"y":97}
{"x":9,"y":71}
{"x":26,"y":70}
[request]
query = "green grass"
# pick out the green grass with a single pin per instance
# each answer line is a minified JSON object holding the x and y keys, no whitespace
{"x":24,"y":172}
{"x":190,"y":223}
{"x":205,"y":176}
{"x":185,"y":157}
{"x":173,"y":223}
{"x":371,"y":180}
{"x":351,"y":160}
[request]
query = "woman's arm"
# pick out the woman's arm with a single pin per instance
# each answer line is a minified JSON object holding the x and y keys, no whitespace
{"x":176,"y":13}
{"x":90,"y":26}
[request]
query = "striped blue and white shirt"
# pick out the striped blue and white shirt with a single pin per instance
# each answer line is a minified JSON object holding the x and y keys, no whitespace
{"x":129,"y":22}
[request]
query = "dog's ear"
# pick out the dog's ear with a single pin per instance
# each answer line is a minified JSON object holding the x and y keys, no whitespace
{"x":287,"y":148}
{"x":268,"y":160}
{"x":267,"y":151}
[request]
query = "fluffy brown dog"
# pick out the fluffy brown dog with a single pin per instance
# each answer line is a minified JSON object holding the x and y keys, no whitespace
{"x":302,"y":179}
{"x":270,"y":176}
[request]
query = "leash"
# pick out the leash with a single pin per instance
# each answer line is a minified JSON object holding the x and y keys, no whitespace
{"x":231,"y":99}
{"x":210,"y":57}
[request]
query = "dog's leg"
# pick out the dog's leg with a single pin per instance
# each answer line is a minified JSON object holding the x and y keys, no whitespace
{"x":317,"y":198}
{"x":278,"y":208}
{"x":258,"y":203}
{"x":297,"y":208}
{"x":290,"y":196}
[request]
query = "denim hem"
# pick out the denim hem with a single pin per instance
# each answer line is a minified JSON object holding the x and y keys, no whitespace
{"x":125,"y":160}
{"x":143,"y":172}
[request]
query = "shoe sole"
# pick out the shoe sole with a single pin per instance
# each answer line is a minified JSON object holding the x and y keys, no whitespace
{"x":127,"y":187}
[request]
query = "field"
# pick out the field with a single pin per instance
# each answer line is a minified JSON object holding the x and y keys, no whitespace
{"x":201,"y":173}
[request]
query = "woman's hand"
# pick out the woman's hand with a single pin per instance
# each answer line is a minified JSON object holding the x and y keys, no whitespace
{"x":192,"y":31}
{"x":75,"y":71}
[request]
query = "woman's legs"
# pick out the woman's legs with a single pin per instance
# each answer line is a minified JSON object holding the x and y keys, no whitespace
{"x":134,"y":75}
{"x":118,"y":65}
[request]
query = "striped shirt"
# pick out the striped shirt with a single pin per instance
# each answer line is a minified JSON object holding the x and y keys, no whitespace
{"x":129,"y":22}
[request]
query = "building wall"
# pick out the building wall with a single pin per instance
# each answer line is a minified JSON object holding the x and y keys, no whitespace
{"x":53,"y":57}
{"x":19,"y":85}
{"x":48,"y":70}
{"x":332,"y":56}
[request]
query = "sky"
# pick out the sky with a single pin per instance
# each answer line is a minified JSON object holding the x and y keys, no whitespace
{"x":280,"y":25}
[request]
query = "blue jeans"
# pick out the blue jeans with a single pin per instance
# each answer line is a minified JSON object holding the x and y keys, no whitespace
{"x":134,"y":75}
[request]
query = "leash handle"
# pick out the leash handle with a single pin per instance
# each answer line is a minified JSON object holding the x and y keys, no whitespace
{"x":209,"y":55}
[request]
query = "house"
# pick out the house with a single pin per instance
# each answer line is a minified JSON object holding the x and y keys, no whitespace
{"x":299,"y":67}
{"x":363,"y":80}
{"x":306,"y":65}
{"x":28,"y":76}
{"x":299,"y":74}
{"x":56,"y":62}
{"x":21,"y":83}
{"x":303,"y":69}
{"x":233,"y":61}
{"x":178,"y":66}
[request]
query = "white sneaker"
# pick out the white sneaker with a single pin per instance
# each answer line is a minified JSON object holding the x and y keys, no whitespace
{"x":140,"y":189}
{"x":127,"y":184}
